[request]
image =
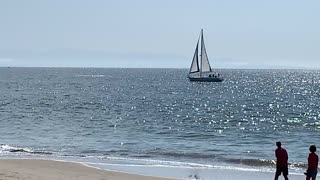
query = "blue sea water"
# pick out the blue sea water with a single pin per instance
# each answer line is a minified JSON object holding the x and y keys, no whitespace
{"x":157,"y":117}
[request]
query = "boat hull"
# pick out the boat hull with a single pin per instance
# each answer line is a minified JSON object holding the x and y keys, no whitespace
{"x":206,"y":79}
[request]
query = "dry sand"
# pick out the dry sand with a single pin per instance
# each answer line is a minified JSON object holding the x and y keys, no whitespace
{"x":28,"y":169}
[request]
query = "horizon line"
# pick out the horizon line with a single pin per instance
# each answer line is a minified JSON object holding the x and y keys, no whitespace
{"x":95,"y":67}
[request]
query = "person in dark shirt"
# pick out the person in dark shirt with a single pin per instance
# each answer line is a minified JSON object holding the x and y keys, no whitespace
{"x":282,"y":162}
{"x":312,"y":163}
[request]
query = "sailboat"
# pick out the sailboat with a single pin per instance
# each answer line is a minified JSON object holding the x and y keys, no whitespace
{"x":200,"y":70}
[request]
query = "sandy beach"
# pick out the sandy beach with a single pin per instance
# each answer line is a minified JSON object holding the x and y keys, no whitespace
{"x":28,"y":169}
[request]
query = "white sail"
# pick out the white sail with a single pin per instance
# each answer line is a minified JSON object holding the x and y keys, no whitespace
{"x":205,"y":66}
{"x":194,"y":65}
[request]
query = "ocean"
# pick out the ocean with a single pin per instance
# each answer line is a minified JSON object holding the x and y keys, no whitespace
{"x":115,"y":118}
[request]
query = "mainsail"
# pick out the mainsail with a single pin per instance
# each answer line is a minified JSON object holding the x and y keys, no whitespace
{"x":205,"y":66}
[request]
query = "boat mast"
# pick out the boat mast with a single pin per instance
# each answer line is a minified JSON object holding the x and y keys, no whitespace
{"x":201,"y":53}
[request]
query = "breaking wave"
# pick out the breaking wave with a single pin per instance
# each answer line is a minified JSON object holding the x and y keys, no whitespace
{"x":4,"y":148}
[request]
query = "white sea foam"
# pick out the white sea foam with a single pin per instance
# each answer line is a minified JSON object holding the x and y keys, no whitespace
{"x":90,"y":75}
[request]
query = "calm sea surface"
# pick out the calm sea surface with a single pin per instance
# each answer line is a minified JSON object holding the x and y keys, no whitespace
{"x":157,"y":115}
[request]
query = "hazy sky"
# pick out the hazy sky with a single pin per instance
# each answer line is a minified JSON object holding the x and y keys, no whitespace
{"x":160,"y":33}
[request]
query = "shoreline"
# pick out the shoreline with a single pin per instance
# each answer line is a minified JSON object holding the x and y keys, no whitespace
{"x":34,"y":169}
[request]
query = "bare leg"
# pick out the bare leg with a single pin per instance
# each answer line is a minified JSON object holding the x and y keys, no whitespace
{"x":307,"y":177}
{"x":314,"y":178}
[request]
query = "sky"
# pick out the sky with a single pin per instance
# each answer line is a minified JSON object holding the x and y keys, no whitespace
{"x":159,"y":33}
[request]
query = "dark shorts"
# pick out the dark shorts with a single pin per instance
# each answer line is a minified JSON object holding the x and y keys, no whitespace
{"x":312,"y":172}
{"x":283,"y":170}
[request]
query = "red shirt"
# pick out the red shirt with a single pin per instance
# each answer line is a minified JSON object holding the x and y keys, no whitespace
{"x":313,"y":161}
{"x":282,"y":157}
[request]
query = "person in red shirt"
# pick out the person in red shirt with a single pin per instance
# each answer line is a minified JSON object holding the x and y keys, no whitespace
{"x":312,"y":164}
{"x":282,"y":162}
